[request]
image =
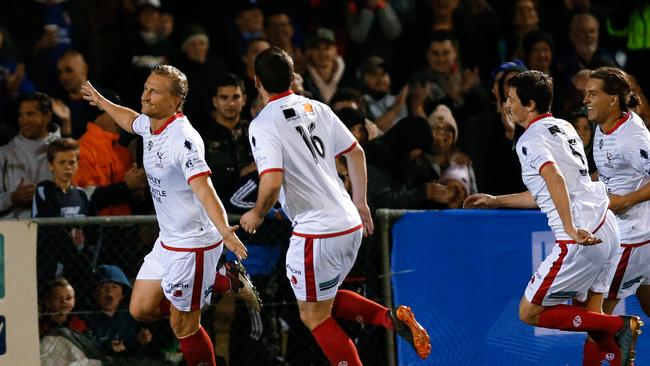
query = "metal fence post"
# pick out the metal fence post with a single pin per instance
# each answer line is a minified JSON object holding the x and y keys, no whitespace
{"x":383,"y":220}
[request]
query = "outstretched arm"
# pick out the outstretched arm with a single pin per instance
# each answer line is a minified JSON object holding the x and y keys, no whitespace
{"x":122,"y":115}
{"x":516,"y":200}
{"x":204,"y":191}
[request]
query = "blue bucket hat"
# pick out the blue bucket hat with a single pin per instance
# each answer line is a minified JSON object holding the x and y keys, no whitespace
{"x":110,"y":273}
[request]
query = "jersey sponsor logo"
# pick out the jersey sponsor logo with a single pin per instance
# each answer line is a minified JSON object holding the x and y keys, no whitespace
{"x":153,"y":180}
{"x":189,"y":164}
{"x":289,"y":113}
{"x":554,"y":130}
{"x":293,"y":270}
{"x":308,"y":108}
{"x":157,"y":194}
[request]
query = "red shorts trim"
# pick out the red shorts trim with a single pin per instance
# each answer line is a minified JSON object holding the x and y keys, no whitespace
{"x":208,"y":173}
{"x":271,"y":170}
{"x":310,"y":275}
{"x":634,"y":245}
{"x":550,"y":277}
{"x":620,"y":272}
{"x":196,"y":250}
{"x":322,"y":236}
{"x":197,"y":287}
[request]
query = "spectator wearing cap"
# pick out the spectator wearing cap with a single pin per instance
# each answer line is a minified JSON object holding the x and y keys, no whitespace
{"x":325,"y":67}
{"x":383,"y":107}
{"x":111,"y":326}
{"x":201,"y":70}
{"x":149,"y":46}
{"x":399,"y":173}
{"x":106,"y":170}
{"x":451,"y":165}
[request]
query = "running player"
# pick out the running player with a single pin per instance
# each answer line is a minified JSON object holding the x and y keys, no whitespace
{"x":621,"y":148}
{"x":179,"y":274}
{"x":295,"y":141}
{"x":554,"y":169}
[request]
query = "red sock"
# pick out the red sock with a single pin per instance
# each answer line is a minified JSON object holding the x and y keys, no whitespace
{"x":574,"y":319}
{"x":349,"y":305}
{"x":165,"y":308}
{"x":336,"y":345}
{"x":221,"y":282}
{"x":197,"y":349}
{"x":592,"y":355}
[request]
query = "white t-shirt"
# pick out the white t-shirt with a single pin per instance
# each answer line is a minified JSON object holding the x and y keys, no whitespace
{"x":173,"y":156}
{"x":621,"y":155}
{"x":301,"y":137}
{"x":553,"y":140}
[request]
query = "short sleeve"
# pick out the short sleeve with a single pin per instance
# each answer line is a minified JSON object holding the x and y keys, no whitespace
{"x":343,"y":139}
{"x":141,"y":125}
{"x":536,"y":153}
{"x":636,"y":150}
{"x":189,"y":155}
{"x":266,"y":146}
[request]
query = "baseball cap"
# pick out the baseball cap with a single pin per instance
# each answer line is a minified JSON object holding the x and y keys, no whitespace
{"x":321,"y":35}
{"x":110,"y":273}
{"x":370,"y":64}
{"x":514,"y":65}
{"x":192,"y":32}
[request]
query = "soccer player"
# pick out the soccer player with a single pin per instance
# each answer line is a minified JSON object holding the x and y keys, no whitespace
{"x":295,"y":141}
{"x":621,"y":148}
{"x":181,"y":268}
{"x":554,"y":169}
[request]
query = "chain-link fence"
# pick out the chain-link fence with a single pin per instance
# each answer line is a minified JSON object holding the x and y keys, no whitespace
{"x":94,"y":320}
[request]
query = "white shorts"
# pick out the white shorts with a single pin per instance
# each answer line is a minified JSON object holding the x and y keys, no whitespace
{"x":318,"y":264}
{"x":632,"y":271}
{"x":572,"y":270}
{"x":186,"y":274}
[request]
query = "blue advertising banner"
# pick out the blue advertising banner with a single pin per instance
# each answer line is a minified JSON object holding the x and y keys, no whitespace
{"x":463,"y":273}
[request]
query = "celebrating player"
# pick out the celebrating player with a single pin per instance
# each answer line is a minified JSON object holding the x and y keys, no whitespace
{"x":295,"y":141}
{"x":621,"y":148}
{"x":580,"y":267}
{"x":179,"y":274}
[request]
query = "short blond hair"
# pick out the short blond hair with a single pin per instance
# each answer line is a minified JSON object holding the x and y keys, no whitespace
{"x":179,"y":86}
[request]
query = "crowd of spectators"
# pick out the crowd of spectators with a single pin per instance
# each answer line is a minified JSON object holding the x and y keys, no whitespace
{"x":421,"y":84}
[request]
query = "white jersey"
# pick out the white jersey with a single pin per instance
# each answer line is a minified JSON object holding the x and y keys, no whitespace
{"x":173,"y":156}
{"x":551,"y":140}
{"x":301,"y":137}
{"x":621,"y":155}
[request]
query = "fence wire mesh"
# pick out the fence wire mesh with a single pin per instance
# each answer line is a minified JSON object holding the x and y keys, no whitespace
{"x":91,"y":325}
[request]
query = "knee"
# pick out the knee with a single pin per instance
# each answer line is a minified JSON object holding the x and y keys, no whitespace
{"x":527,"y":314}
{"x":182,"y":327}
{"x":312,"y":319}
{"x":139,"y":313}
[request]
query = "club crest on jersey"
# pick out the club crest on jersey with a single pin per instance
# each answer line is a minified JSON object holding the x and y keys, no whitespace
{"x":149,"y":145}
{"x":159,"y":164}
